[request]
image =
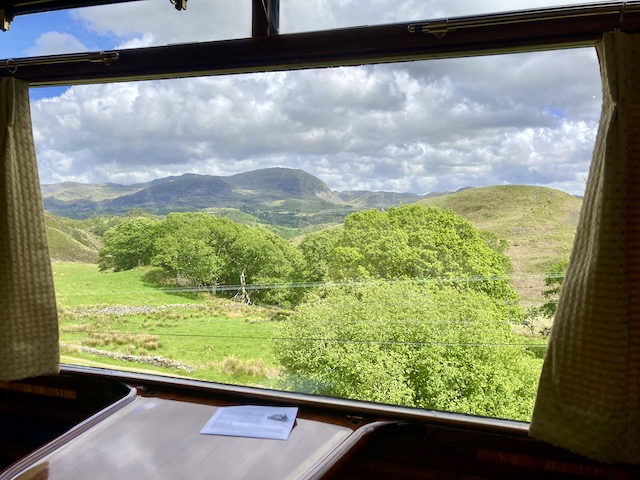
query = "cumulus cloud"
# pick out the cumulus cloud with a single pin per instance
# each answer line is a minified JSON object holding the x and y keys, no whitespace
{"x":420,"y":127}
{"x":309,"y":15}
{"x":51,"y":43}
{"x":202,"y":21}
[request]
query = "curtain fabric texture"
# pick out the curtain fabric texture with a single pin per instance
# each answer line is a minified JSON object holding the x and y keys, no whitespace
{"x":589,"y":392}
{"x":28,"y":316}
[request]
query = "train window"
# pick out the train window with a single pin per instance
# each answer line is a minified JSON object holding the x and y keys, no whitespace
{"x":393,"y":233}
{"x":125,"y":25}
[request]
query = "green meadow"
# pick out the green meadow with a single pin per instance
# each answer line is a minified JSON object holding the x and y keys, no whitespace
{"x":135,"y":320}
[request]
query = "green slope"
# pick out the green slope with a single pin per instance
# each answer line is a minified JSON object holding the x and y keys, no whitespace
{"x":537,"y":222}
{"x":69,"y":244}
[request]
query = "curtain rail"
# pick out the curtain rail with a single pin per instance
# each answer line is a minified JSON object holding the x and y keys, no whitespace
{"x":511,"y":32}
{"x":29,"y":6}
{"x":106,"y":58}
{"x":517,"y":17}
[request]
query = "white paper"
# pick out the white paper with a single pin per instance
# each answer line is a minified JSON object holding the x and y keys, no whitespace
{"x":252,"y":421}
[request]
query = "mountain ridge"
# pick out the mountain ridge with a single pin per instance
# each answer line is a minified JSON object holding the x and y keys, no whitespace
{"x":278,"y":193}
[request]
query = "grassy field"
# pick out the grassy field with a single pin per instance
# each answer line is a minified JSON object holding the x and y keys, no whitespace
{"x":127,"y":320}
{"x":135,"y":321}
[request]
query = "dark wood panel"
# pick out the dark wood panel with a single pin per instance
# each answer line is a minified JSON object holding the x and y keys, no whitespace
{"x":432,"y":451}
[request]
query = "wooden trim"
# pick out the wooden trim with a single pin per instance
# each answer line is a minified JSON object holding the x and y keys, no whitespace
{"x":251,"y":395}
{"x":24,"y":7}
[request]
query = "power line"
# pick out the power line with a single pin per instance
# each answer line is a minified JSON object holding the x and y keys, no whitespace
{"x":321,"y":339}
{"x":346,"y":283}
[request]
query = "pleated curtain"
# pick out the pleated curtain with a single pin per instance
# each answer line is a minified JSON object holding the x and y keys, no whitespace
{"x":28,"y":318}
{"x":589,"y":393}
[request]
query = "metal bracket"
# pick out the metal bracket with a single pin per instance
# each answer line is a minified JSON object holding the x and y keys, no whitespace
{"x":106,"y":58}
{"x":437,"y":28}
{"x":5,"y":19}
{"x":179,"y":4}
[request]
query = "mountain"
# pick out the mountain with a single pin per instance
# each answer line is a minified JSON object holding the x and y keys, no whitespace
{"x":190,"y":192}
{"x":284,"y":183}
{"x":363,"y":199}
{"x":70,"y":191}
{"x":282,"y":192}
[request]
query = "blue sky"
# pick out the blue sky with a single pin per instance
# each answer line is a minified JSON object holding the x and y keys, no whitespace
{"x":420,"y":127}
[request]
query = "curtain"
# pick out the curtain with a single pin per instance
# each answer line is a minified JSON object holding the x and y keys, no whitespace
{"x":28,"y":318}
{"x":589,"y":393}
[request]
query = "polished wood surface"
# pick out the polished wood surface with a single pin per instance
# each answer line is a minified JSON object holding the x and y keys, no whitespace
{"x":154,"y":438}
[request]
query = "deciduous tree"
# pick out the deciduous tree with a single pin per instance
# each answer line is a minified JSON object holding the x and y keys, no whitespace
{"x":428,"y":346}
{"x":129,"y":244}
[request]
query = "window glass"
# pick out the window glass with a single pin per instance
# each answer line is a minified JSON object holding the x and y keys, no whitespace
{"x":309,"y":15}
{"x":391,"y":233}
{"x":126,"y":25}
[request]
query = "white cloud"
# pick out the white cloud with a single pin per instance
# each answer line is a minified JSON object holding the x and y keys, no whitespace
{"x":51,"y":43}
{"x":423,"y":126}
{"x":202,"y":21}
{"x":309,"y":15}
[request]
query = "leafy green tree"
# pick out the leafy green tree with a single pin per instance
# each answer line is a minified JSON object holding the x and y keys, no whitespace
{"x":193,"y":246}
{"x":554,"y":278}
{"x":428,"y":346}
{"x":317,"y":251}
{"x":207,"y":251}
{"x":129,"y":244}
{"x":425,"y":243}
{"x":260,"y":257}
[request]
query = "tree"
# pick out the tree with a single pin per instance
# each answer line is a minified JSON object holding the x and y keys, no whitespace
{"x":554,"y":278}
{"x":264,"y":259}
{"x":428,"y":346}
{"x":129,"y":244}
{"x":420,"y":243}
{"x":207,"y":251}
{"x":317,"y":250}
{"x":194,"y":246}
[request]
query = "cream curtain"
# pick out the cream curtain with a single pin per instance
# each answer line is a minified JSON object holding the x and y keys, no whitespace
{"x":28,"y":318}
{"x":589,"y":393}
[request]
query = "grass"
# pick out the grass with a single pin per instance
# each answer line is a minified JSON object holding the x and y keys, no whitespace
{"x":81,"y":284}
{"x":69,"y":244}
{"x":129,"y":321}
{"x":125,"y":313}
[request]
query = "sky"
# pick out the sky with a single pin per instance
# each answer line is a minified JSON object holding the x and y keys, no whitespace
{"x":418,"y":127}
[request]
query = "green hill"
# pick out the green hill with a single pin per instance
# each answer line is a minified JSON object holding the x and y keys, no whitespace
{"x":70,"y":244}
{"x":69,"y":191}
{"x":537,"y":222}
